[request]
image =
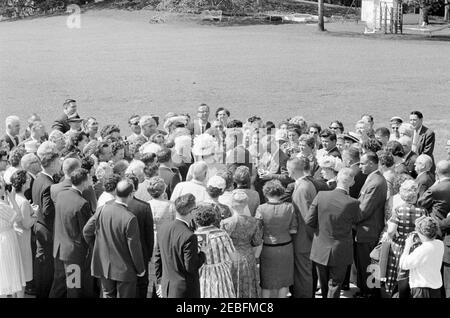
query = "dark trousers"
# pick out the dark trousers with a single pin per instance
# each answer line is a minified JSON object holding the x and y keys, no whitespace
{"x":115,"y":289}
{"x":362,"y":263}
{"x":403,"y":288}
{"x":446,"y":278}
{"x":59,"y":289}
{"x":303,"y":278}
{"x":78,"y":280}
{"x":142,"y":286}
{"x":30,"y":284}
{"x":425,"y":293}
{"x":331,"y":278}
{"x":43,"y":276}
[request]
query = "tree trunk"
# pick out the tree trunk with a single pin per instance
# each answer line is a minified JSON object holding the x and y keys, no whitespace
{"x":321,"y":23}
{"x":447,"y":11}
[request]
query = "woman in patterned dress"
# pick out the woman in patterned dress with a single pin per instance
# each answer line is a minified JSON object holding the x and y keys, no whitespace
{"x":215,"y":274}
{"x":246,"y":233}
{"x":400,"y":225}
{"x":12,"y":276}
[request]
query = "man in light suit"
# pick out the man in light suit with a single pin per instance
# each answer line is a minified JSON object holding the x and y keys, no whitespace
{"x":372,"y":203}
{"x":201,"y":124}
{"x":117,"y":257}
{"x":302,"y":197}
{"x":177,"y":258}
{"x":72,"y":214}
{"x":423,"y":138}
{"x":331,"y":215}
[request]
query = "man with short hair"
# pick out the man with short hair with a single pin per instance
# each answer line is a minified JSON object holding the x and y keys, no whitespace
{"x":332,"y":215}
{"x":436,"y":200}
{"x":177,"y":258}
{"x":133,"y":123}
{"x":103,"y":152}
{"x":423,"y":138}
{"x":302,"y":197}
{"x":351,"y":159}
{"x":362,"y":128}
{"x":410,"y":156}
{"x":70,"y":111}
{"x":328,"y":140}
{"x":395,"y":125}
{"x":368,"y":229}
{"x":109,"y":194}
{"x":167,"y":171}
{"x":367,"y":118}
{"x":382,"y":134}
{"x":12,"y":124}
{"x":143,"y":213}
{"x":51,"y":165}
{"x":425,"y":179}
{"x":148,"y":126}
{"x":201,"y":124}
{"x":196,"y":186}
{"x":31,"y":164}
{"x":117,"y":256}
{"x":236,"y":153}
{"x":72,"y":213}
{"x":75,"y":126}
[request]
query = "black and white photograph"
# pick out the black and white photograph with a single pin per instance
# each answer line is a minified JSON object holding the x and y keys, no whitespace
{"x":241,"y":151}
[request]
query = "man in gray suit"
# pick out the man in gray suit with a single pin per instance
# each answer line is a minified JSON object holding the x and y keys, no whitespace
{"x":372,"y":201}
{"x":117,"y":257}
{"x":331,"y":215}
{"x":302,"y":197}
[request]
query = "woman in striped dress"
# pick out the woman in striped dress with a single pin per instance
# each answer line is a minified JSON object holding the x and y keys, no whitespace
{"x":215,"y":275}
{"x":12,"y":275}
{"x":400,"y":225}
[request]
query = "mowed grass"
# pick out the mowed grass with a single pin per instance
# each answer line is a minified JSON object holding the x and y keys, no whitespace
{"x":118,"y":64}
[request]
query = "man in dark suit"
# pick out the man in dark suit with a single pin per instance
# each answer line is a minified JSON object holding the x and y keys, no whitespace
{"x":177,"y":258}
{"x":167,"y":171}
{"x":72,"y":214}
{"x":143,"y":213}
{"x":31,"y":164}
{"x":410,"y":156}
{"x":43,"y":274}
{"x":331,"y":215}
{"x":424,"y":138}
{"x":425,"y":179}
{"x":201,"y":124}
{"x":12,"y":124}
{"x":351,"y":158}
{"x":328,"y":139}
{"x":436,"y":200}
{"x":303,"y":196}
{"x":70,"y":111}
{"x":372,"y":203}
{"x":117,"y":257}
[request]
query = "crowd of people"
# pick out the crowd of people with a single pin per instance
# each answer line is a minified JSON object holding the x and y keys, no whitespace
{"x":222,"y":208}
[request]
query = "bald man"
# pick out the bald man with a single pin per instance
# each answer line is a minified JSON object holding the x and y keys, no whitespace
{"x":425,"y":178}
{"x":410,"y":156}
{"x":196,"y":186}
{"x":436,"y":200}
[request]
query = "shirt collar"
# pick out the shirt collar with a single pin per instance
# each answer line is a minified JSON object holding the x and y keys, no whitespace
{"x":354,"y":164}
{"x":372,"y":173}
{"x":121,"y":203}
{"x":13,"y":139}
{"x":197,"y":182}
{"x":423,"y":172}
{"x":77,"y":190}
{"x":51,"y":177}
{"x":187,"y":224}
{"x":345,"y":190}
{"x":419,"y":128}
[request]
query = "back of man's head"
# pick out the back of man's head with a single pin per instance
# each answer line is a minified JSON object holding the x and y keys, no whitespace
{"x":133,"y":179}
{"x":78,"y":176}
{"x":199,"y":170}
{"x":164,"y":155}
{"x":124,"y":189}
{"x":70,"y":165}
{"x":443,"y":169}
{"x":345,"y":178}
{"x":352,"y":154}
{"x":426,"y":161}
{"x":27,"y":161}
{"x":299,"y":164}
{"x":185,"y":204}
{"x":111,"y":182}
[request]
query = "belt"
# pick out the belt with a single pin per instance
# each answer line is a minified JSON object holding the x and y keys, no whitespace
{"x":279,"y":244}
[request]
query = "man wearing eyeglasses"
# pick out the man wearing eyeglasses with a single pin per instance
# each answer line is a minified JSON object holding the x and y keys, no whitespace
{"x":70,"y":111}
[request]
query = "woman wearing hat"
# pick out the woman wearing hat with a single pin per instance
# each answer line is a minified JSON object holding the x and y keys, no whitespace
{"x":216,"y":187}
{"x":246,"y":233}
{"x":330,"y":167}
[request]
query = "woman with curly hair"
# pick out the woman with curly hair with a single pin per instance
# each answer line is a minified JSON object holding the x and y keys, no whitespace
{"x":279,"y":222}
{"x":118,"y":151}
{"x":400,"y":226}
{"x":330,"y":167}
{"x":20,"y":181}
{"x":215,"y":274}
{"x":15,"y":156}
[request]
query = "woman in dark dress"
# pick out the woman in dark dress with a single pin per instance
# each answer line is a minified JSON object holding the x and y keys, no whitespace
{"x":277,"y":257}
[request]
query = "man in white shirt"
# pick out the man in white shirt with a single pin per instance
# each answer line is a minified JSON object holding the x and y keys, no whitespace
{"x":110,"y":190}
{"x":196,"y":186}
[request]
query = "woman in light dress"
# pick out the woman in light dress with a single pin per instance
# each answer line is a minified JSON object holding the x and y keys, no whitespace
{"x":12,"y":275}
{"x":20,"y":181}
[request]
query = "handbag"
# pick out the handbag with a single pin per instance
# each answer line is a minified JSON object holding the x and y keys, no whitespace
{"x":380,"y":254}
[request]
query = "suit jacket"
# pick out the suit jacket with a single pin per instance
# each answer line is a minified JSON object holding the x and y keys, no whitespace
{"x":41,"y":197}
{"x":332,"y":214}
{"x":62,"y":124}
{"x":372,"y":203}
{"x":143,"y":213}
{"x":319,"y":185}
{"x":65,"y":184}
{"x":117,"y":253}
{"x":334,"y":152}
{"x":178,"y":260}
{"x":410,"y":159}
{"x":171,"y":179}
{"x":196,"y":128}
{"x":28,"y":193}
{"x":425,"y":143}
{"x":10,"y":142}
{"x":303,"y":196}
{"x":72,"y":212}
{"x":355,"y":189}
{"x":425,"y":181}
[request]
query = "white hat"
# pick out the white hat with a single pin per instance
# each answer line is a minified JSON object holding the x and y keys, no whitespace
{"x":150,"y":147}
{"x":331,"y":162}
{"x":204,"y":145}
{"x":217,"y":182}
